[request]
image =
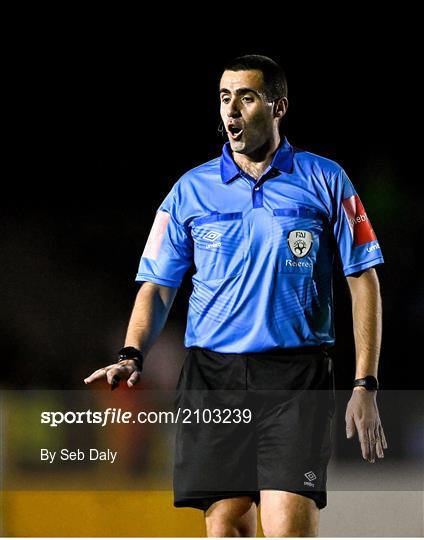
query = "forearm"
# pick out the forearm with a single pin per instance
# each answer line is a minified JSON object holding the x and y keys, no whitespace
{"x":367,"y":322}
{"x":149,"y":315}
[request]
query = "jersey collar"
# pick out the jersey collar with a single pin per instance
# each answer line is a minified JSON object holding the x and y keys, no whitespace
{"x":282,"y":160}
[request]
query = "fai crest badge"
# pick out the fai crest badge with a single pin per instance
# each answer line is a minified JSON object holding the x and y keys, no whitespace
{"x":300,"y":243}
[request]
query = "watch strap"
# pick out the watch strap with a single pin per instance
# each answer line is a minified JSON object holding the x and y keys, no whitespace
{"x":369,"y":382}
{"x":131,"y":353}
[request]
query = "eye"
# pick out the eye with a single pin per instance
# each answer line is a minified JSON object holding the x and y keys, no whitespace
{"x":225,"y":99}
{"x":247,"y":99}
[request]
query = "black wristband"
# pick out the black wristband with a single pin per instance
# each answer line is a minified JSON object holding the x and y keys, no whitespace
{"x":369,"y":383}
{"x":131,"y":353}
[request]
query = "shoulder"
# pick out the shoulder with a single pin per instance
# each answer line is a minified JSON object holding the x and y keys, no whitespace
{"x":316,"y":165}
{"x":198,"y":176}
{"x":200,"y":171}
{"x":193,"y":188}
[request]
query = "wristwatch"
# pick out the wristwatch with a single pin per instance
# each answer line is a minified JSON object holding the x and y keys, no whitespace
{"x":131,"y":353}
{"x":369,"y":383}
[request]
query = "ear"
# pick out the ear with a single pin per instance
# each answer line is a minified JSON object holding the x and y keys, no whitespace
{"x":280,"y":107}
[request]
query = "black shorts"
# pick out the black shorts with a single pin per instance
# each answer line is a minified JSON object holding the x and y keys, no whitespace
{"x":251,"y":422}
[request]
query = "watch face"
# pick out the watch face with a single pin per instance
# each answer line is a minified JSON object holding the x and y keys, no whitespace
{"x":371,"y":383}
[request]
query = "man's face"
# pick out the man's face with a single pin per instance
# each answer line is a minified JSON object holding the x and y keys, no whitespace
{"x":247,"y":115}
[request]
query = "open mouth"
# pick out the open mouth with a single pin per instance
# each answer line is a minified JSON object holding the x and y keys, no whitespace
{"x":234,"y":132}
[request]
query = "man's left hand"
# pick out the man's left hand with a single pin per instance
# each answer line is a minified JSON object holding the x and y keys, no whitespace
{"x":362,"y":416}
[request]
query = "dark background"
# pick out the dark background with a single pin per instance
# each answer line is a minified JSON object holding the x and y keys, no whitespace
{"x":101,"y":129}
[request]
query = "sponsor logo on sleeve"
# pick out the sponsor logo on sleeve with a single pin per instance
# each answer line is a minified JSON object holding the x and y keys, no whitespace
{"x":374,"y":247}
{"x":359,"y":225}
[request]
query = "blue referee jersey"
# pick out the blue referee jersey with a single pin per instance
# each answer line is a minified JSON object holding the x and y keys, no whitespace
{"x":263,"y":249}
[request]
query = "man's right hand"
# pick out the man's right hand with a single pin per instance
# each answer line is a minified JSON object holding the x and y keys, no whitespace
{"x":125,"y":369}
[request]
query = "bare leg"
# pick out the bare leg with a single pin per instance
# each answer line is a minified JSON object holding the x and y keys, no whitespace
{"x":232,"y":517}
{"x":288,"y":514}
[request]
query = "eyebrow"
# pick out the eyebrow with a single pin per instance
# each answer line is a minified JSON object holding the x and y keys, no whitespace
{"x":240,"y":91}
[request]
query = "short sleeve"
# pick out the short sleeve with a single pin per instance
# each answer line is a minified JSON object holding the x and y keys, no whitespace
{"x":356,"y":240}
{"x":168,"y":252}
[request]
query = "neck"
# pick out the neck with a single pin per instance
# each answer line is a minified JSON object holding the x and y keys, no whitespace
{"x":256,"y":163}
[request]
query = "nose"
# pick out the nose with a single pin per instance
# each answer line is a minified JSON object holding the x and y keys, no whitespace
{"x":233,"y":110}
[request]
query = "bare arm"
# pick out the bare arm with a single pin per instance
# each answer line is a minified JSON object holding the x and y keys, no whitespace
{"x":362,"y":411}
{"x":367,"y":321}
{"x":148,"y":317}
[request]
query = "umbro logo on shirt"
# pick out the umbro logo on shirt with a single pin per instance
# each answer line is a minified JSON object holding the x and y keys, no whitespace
{"x":212,"y":236}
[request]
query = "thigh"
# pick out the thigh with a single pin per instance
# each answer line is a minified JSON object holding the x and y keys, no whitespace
{"x":294,"y":433}
{"x":215,"y":452}
{"x":235,"y":516}
{"x":288,"y":514}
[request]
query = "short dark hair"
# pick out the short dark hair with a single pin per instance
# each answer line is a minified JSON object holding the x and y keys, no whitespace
{"x":275,"y":81}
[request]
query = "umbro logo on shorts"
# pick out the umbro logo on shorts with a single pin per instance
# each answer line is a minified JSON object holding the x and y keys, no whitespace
{"x":310,"y":476}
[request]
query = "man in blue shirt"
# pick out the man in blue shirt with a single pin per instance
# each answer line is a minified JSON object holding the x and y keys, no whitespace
{"x":262,"y":224}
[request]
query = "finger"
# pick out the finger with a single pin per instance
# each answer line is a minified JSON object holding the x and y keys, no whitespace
{"x":109,"y":366}
{"x":350,"y":427}
{"x":134,"y":379}
{"x":116,"y":371}
{"x":96,"y":375}
{"x":363,"y":439}
{"x":378,"y":444}
{"x":364,"y":446}
{"x":115,"y":382}
{"x":372,"y":442}
{"x":379,"y":449}
{"x":383,"y":438}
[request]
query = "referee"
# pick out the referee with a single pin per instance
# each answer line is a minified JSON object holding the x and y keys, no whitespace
{"x":262,"y":224}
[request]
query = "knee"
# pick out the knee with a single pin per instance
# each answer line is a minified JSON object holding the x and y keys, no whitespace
{"x":276,"y":530}
{"x":233,"y":517}
{"x":285,"y":514}
{"x":284,"y":526}
{"x":288,"y":533}
{"x":219,"y":529}
{"x":231,"y":526}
